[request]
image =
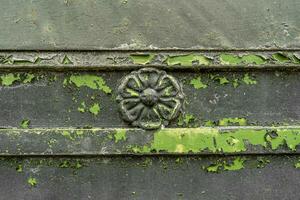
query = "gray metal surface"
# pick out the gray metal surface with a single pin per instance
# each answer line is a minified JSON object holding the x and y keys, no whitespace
{"x":97,"y":24}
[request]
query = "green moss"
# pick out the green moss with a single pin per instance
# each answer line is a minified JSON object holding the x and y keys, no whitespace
{"x":32,"y":181}
{"x":233,"y":121}
{"x":280,"y":57}
{"x":249,"y":80}
{"x":120,"y":135}
{"x":90,"y":81}
{"x":9,"y":79}
{"x":188,"y":60}
{"x":25,"y":123}
{"x":198,"y":84}
{"x":142,"y":59}
{"x":95,"y":109}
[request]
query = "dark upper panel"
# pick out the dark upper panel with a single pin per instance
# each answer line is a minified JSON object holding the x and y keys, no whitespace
{"x":100,"y":24}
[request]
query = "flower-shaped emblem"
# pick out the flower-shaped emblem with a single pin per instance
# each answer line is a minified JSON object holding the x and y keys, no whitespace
{"x":149,"y":98}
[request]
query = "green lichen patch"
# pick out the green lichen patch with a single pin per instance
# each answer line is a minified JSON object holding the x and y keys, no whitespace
{"x":198,"y":84}
{"x":142,"y":59}
{"x":188,"y":60}
{"x":94,"y":109}
{"x":91,"y":81}
{"x":120,"y":135}
{"x":25,"y":123}
{"x":32,"y":181}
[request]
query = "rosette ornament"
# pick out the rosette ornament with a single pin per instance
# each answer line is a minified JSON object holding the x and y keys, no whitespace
{"x":149,"y":98}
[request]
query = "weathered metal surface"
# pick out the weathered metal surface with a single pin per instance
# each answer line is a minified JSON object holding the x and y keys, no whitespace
{"x":83,"y":82}
{"x":269,"y":177}
{"x":71,"y":24}
{"x":168,"y":141}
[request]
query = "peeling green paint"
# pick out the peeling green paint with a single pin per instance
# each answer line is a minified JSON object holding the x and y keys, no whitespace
{"x":188,"y":60}
{"x":95,"y":109}
{"x":19,"y":168}
{"x":233,"y":121}
{"x":67,"y":134}
{"x":280,"y":57}
{"x":232,"y":165}
{"x":213,"y":140}
{"x":185,"y":119}
{"x":9,"y":79}
{"x":90,"y":81}
{"x":237,"y":164}
{"x":253,"y":59}
{"x":231,"y":59}
{"x":297,"y":165}
{"x":198,"y":84}
{"x":82,"y":107}
{"x":142,"y":59}
{"x":29,"y":78}
{"x":25,"y":123}
{"x":288,"y":137}
{"x":120,"y":135}
{"x":249,"y":80}
{"x":32,"y":181}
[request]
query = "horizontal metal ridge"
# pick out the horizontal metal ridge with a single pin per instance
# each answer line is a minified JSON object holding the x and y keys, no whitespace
{"x":234,"y":140}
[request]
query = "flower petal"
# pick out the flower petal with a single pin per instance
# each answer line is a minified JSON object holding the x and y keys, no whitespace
{"x":131,"y":109}
{"x":168,"y":108}
{"x":149,"y":119}
{"x":130,"y":87}
{"x":149,"y":77}
{"x":167,"y":86}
